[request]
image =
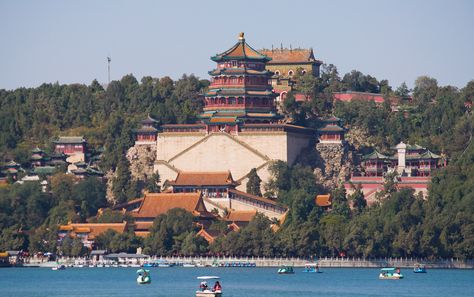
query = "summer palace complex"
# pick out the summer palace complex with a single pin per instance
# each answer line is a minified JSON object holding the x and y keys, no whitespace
{"x":204,"y":166}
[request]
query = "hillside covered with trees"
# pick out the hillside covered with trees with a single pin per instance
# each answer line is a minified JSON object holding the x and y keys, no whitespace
{"x":400,"y":224}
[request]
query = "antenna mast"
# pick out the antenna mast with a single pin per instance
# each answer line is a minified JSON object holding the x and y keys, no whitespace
{"x":108,"y":67}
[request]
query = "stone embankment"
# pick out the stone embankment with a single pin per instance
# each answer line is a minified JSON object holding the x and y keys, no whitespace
{"x":329,"y":262}
{"x":276,"y":262}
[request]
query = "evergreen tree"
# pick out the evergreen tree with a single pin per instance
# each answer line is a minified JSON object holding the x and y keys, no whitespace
{"x":340,"y":204}
{"x":402,"y":90}
{"x":153,"y":183}
{"x":253,"y":184}
{"x":358,"y":201}
{"x":122,"y":182}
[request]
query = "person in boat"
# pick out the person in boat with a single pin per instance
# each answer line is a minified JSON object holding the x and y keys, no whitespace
{"x":217,"y":287}
{"x":203,"y":286}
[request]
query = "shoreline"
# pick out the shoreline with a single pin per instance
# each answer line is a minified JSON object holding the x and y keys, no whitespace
{"x":219,"y":262}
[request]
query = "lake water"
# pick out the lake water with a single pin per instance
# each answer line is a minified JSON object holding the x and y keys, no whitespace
{"x":236,"y":282}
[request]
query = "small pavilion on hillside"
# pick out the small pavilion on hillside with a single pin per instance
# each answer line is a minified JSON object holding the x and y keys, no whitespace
{"x":147,"y":133}
{"x":70,"y":145}
{"x":331,"y":131}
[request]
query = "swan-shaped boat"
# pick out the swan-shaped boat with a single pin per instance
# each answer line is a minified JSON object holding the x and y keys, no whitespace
{"x":143,"y":277}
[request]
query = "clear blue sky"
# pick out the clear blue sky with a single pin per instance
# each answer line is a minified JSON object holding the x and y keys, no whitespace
{"x":68,"y":41}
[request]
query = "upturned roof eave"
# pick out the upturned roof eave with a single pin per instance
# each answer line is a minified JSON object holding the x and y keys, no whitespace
{"x":227,"y":58}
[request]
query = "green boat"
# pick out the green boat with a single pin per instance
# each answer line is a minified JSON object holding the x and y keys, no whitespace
{"x":286,"y":270}
{"x":144,"y":277}
{"x":390,"y":273}
{"x":419,"y":268}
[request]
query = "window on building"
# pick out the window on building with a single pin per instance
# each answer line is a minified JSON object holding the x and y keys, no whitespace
{"x":234,"y":63}
{"x":277,"y":72}
{"x":290,"y":73}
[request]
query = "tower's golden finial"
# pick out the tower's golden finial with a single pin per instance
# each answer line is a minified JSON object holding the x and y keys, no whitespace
{"x":241,"y":36}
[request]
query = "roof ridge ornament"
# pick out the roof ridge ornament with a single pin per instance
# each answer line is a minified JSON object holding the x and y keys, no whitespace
{"x":241,"y":37}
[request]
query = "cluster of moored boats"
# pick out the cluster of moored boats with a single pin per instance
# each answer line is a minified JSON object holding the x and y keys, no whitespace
{"x":62,"y":266}
{"x":160,"y":263}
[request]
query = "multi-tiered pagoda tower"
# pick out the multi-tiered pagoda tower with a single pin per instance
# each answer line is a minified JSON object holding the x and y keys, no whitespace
{"x":240,"y":91}
{"x":239,"y":128}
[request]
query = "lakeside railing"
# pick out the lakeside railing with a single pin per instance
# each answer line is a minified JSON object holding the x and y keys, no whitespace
{"x":323,"y":261}
{"x":335,"y":262}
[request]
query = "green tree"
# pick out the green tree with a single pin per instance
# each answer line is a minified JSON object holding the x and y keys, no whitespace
{"x":62,"y":187}
{"x":402,"y":90}
{"x":280,"y":180}
{"x":44,"y":239}
{"x":357,"y":81}
{"x":333,"y":233}
{"x":193,"y":245}
{"x":105,"y":240}
{"x":77,"y":248}
{"x":153,"y":183}
{"x":121,"y":182}
{"x":91,"y":194}
{"x":169,"y":231}
{"x":340,"y":204}
{"x":358,"y":201}
{"x":253,"y":183}
{"x":425,"y":89}
{"x":13,"y":239}
{"x":113,"y":216}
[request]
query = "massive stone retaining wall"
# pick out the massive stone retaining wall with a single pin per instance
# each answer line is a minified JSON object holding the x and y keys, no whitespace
{"x":335,"y":164}
{"x":221,"y":151}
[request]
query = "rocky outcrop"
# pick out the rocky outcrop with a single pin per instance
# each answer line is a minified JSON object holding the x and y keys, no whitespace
{"x":358,"y":137}
{"x":335,"y":164}
{"x":141,"y":158}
